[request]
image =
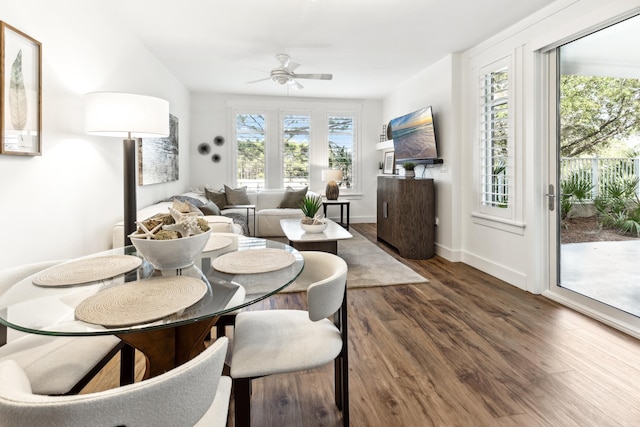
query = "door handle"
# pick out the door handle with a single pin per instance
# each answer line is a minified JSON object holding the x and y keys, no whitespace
{"x":552,"y":197}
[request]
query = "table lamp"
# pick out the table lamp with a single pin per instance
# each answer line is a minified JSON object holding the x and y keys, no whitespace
{"x":332,"y":176}
{"x":125,"y":115}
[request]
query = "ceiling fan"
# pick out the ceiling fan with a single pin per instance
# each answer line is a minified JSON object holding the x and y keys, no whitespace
{"x":284,"y":74}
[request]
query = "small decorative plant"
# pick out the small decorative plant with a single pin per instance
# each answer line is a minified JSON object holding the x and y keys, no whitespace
{"x":409,"y":166}
{"x":311,"y":209}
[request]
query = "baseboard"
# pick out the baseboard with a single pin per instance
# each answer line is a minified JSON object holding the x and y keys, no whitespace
{"x":506,"y":274}
{"x":448,"y":254}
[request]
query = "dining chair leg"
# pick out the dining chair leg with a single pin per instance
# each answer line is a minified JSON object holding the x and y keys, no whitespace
{"x":338,"y":374}
{"x":342,"y":362}
{"x":345,"y":387}
{"x":242,"y":401}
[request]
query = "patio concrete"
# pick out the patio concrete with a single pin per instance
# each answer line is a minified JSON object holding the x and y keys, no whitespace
{"x":606,"y":271}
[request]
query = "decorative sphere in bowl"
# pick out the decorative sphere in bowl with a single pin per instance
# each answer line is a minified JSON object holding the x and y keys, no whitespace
{"x":313,"y":228}
{"x":173,"y":253}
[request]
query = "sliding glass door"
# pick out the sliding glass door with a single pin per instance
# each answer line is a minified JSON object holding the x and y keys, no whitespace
{"x":595,"y":244}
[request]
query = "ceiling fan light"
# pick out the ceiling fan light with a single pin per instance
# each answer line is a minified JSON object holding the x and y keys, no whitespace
{"x":280,"y":79}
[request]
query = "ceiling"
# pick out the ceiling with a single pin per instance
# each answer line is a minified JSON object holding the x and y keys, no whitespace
{"x":368,"y":45}
{"x":611,"y":51}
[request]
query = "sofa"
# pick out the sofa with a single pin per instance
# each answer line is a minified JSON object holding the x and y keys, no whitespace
{"x":267,"y":213}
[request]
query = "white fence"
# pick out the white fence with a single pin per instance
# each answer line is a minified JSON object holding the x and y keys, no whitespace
{"x":600,"y":171}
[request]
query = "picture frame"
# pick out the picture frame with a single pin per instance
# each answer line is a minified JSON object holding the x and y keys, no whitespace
{"x":20,"y":93}
{"x":389,"y":163}
{"x":158,"y":158}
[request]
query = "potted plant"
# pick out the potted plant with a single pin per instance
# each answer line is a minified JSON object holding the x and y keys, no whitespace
{"x":380,"y":166}
{"x":409,"y":169}
{"x":313,"y":221}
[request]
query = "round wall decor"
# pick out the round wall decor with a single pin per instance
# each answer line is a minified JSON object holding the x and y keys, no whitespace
{"x":218,"y":140}
{"x":204,"y":148}
{"x":215,"y":158}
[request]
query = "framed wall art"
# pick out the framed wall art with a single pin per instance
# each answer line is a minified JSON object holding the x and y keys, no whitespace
{"x":389,"y":162}
{"x":158,"y":159}
{"x":20,"y":93}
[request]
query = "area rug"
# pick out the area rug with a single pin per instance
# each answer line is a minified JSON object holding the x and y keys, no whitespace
{"x":369,"y":266}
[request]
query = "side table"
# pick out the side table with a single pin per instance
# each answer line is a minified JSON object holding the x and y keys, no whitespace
{"x":342,"y":203}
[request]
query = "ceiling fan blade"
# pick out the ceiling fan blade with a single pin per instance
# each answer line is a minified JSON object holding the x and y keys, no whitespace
{"x":295,"y":85}
{"x":259,"y":80}
{"x":314,"y":76}
{"x":291,"y":66}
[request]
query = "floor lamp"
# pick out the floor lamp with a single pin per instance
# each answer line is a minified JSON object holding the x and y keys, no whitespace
{"x":126,"y":116}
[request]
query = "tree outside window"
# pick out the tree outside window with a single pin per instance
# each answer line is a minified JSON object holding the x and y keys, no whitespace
{"x":296,"y":137}
{"x":250,"y":143}
{"x":341,"y":145}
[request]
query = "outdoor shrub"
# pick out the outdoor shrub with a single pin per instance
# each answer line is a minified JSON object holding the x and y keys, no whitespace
{"x":619,"y":205}
{"x":574,"y":189}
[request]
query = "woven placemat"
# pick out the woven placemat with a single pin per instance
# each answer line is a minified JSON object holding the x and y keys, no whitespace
{"x":142,"y":301}
{"x":253,"y":261}
{"x":87,"y":270}
{"x":216,"y":242}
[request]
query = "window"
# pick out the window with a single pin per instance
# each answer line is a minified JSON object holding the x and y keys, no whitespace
{"x":283,"y":143}
{"x":495,"y":155}
{"x":341,"y":146}
{"x":250,"y":154}
{"x":295,"y":149}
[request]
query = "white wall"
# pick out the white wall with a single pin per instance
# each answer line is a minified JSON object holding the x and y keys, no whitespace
{"x":517,"y":254}
{"x":436,"y":87}
{"x":63,"y":204}
{"x":211,"y":115}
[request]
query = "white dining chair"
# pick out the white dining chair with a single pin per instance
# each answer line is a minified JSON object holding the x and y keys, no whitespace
{"x":194,"y":393}
{"x":269,"y":342}
{"x":54,"y":365}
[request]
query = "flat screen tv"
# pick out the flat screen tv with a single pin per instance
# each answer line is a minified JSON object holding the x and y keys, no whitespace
{"x":414,"y":137}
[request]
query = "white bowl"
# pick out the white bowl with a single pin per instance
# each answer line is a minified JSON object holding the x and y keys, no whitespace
{"x":313,"y":228}
{"x":171,"y":254}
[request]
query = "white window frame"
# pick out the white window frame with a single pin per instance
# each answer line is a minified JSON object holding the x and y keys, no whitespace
{"x":234,"y":140}
{"x":288,"y":112}
{"x":355,"y":163}
{"x":507,"y":218}
{"x":274,"y":111}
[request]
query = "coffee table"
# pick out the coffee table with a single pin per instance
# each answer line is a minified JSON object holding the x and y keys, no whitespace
{"x":327,"y":241}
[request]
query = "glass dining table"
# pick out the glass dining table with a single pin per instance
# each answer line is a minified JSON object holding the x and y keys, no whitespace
{"x":171,"y":340}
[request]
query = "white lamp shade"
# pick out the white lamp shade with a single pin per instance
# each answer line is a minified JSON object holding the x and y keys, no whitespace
{"x":331,"y":175}
{"x":124,"y":114}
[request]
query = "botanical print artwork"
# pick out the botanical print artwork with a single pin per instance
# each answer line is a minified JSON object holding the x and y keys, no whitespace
{"x":158,"y":157}
{"x":21,"y":92}
{"x":17,"y":96}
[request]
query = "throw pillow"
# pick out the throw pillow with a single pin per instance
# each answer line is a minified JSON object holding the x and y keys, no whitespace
{"x":217,"y":197}
{"x":292,"y":198}
{"x":237,"y":196}
{"x":210,"y":208}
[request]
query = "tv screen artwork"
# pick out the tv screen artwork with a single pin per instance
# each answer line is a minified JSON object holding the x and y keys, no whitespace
{"x":414,"y":136}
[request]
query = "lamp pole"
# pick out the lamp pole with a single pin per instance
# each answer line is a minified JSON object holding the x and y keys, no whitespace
{"x":130,"y":203}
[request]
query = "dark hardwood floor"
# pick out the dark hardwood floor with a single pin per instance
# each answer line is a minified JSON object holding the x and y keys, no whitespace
{"x":464,"y":349}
